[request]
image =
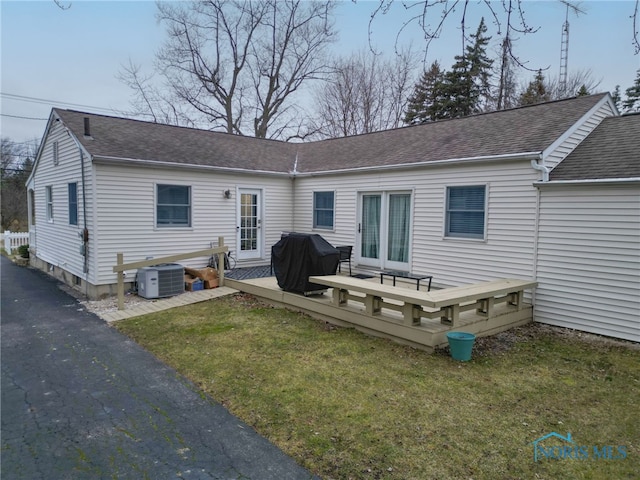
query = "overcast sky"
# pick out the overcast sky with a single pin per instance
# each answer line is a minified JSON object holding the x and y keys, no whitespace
{"x":70,"y":58}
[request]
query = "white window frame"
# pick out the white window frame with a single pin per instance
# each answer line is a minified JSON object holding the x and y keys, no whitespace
{"x":73,"y":206}
{"x":460,"y":235}
{"x":315,"y":225}
{"x":190,"y":206}
{"x":49,"y":203}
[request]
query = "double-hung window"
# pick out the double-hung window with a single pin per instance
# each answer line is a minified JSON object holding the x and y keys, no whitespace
{"x":323,"y":210}
{"x":173,"y":206}
{"x":73,"y":203}
{"x":49,"y":200}
{"x":465,"y":214}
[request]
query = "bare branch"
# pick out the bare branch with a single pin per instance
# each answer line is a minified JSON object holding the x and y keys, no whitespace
{"x":61,"y":6}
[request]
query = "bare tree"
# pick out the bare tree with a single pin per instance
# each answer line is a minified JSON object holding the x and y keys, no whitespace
{"x":365,"y":93}
{"x":16,"y":160}
{"x":236,"y":65}
{"x":508,"y":16}
{"x":579,"y":80}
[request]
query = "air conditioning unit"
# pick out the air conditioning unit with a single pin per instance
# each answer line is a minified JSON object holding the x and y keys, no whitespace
{"x":161,"y":281}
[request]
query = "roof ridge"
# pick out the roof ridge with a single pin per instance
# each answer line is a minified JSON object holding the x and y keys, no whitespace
{"x":474,"y":115}
{"x":147,"y":122}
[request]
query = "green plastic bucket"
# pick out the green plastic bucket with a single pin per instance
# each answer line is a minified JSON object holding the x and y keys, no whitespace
{"x":460,"y":345}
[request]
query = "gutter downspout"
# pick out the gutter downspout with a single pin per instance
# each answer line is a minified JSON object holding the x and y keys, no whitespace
{"x":85,"y":232}
{"x":541,"y":167}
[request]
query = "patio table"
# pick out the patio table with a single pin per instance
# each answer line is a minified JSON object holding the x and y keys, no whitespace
{"x":410,"y":276}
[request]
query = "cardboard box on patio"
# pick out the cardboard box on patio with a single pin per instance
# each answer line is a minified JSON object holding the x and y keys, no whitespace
{"x":208,"y":275}
{"x":192,"y":284}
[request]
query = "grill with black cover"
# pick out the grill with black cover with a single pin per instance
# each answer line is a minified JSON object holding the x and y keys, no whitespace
{"x":297,"y":256}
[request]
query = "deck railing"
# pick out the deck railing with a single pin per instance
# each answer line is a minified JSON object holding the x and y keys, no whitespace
{"x":120,"y":266}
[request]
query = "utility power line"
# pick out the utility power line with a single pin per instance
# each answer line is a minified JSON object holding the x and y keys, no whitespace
{"x":25,"y":98}
{"x":21,"y":117}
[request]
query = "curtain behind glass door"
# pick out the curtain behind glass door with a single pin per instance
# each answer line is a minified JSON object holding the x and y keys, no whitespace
{"x":370,"y":246}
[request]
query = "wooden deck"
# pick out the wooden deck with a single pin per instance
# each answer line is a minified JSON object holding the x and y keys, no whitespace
{"x":420,"y":319}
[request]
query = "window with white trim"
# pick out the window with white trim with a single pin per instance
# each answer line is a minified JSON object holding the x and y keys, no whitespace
{"x":49,"y":200}
{"x":323,"y":210}
{"x":173,"y":206}
{"x":73,"y":203}
{"x":465,"y":213}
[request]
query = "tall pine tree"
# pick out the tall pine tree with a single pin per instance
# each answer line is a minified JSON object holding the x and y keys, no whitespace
{"x":466,"y":87}
{"x":462,"y":91}
{"x":420,"y":105}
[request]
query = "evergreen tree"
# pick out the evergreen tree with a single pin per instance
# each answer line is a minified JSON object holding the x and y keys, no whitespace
{"x":420,"y":105}
{"x":536,"y":92}
{"x":582,"y":92}
{"x":466,"y":88}
{"x":617,"y":97}
{"x":632,"y":102}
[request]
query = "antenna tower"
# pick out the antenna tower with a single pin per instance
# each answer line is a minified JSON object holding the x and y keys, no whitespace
{"x":564,"y":47}
{"x":564,"y":54}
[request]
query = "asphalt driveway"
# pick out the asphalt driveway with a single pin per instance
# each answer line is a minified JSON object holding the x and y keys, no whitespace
{"x":80,"y":400}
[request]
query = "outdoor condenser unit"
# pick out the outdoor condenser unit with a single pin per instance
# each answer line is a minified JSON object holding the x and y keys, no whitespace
{"x":161,"y":281}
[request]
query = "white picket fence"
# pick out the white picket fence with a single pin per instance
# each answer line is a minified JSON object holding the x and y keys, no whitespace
{"x":13,"y":240}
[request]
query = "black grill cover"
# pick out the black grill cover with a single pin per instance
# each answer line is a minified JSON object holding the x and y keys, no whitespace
{"x":297,"y":256}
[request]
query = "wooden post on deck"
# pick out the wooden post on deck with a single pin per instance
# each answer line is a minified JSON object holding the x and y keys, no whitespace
{"x":221,"y":257}
{"x":120,"y":261}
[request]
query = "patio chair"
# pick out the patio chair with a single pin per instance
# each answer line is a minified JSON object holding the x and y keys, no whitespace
{"x":345,"y":256}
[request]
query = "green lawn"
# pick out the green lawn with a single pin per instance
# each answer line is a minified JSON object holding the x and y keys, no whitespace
{"x":349,"y":406}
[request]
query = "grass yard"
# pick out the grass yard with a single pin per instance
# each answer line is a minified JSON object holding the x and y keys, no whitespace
{"x":349,"y":406}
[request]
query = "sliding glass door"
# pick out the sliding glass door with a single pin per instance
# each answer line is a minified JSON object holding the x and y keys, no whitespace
{"x":384,"y":230}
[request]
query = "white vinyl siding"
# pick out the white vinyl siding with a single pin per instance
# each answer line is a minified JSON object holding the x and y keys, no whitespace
{"x":125,"y":202}
{"x":589,"y":259}
{"x":58,"y":242}
{"x":511,"y":207}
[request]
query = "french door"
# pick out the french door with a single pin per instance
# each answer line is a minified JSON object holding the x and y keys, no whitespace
{"x":249,"y":226}
{"x":384,"y":230}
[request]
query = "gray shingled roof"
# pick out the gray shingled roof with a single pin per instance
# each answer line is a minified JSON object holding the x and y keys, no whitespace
{"x":520,"y":130}
{"x":113,"y":137}
{"x":612,"y":150}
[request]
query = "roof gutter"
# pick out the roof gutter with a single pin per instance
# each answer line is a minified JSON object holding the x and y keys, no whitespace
{"x":154,"y":163}
{"x":592,"y":181}
{"x":435,"y":163}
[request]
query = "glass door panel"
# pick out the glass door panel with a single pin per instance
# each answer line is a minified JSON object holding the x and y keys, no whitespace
{"x":384,"y":230}
{"x":249,"y":224}
{"x":370,"y":230}
{"x":398,"y":231}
